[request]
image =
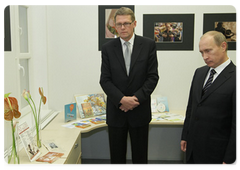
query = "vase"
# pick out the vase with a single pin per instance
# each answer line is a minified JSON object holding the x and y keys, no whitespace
{"x":38,"y":136}
{"x":13,"y":158}
{"x":36,"y":125}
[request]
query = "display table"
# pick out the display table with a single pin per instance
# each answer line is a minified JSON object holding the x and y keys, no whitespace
{"x":69,"y":140}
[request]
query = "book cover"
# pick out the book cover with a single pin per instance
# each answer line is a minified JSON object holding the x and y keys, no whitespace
{"x":87,"y":110}
{"x":97,"y":102}
{"x":162,"y":104}
{"x":70,"y":112}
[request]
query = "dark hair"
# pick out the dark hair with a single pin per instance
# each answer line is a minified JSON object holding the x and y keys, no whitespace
{"x":124,"y":11}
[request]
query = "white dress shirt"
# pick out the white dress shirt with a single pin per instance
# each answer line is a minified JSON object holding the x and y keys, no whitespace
{"x":131,"y":41}
{"x":218,"y":70}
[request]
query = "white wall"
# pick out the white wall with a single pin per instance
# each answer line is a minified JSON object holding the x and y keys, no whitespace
{"x":176,"y":68}
{"x":38,"y":64}
{"x":74,"y":60}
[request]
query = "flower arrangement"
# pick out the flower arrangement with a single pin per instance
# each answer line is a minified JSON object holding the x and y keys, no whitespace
{"x":36,"y":116}
{"x":10,"y":111}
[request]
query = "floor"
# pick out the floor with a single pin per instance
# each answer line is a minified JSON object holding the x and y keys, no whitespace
{"x":107,"y":161}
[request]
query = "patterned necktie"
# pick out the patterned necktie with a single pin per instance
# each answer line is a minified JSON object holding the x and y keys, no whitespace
{"x":127,"y":56}
{"x":209,"y":81}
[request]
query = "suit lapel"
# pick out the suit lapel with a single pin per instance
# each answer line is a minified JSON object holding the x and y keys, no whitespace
{"x":223,"y":77}
{"x":119,"y":53}
{"x":137,"y":47}
{"x":201,"y":80}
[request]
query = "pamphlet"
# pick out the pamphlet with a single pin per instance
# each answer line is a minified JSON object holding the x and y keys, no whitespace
{"x":50,"y":157}
{"x":52,"y":146}
{"x":167,"y":117}
{"x":97,"y":121}
{"x":154,"y":105}
{"x":28,"y":141}
{"x":78,"y":124}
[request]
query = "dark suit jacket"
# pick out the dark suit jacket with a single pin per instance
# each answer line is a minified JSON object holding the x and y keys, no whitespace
{"x":141,"y":82}
{"x":210,"y":123}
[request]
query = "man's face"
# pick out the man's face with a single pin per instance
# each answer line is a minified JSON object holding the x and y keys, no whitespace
{"x":125,"y":32}
{"x":212,"y":54}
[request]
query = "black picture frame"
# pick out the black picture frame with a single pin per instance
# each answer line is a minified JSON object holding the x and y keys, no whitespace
{"x":188,"y":30}
{"x":101,"y":22}
{"x":210,"y":19}
{"x":6,"y":29}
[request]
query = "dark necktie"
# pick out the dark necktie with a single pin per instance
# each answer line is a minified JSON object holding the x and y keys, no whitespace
{"x":209,"y":82}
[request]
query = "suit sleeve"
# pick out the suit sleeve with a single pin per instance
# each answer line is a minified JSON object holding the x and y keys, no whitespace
{"x":188,"y":113}
{"x":230,"y":154}
{"x":106,"y":83}
{"x":152,"y":76}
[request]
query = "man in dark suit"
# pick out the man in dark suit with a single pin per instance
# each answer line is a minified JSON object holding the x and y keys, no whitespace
{"x":209,"y":131}
{"x":129,"y":74}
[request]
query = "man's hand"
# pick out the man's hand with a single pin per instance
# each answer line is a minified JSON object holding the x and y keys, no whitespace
{"x":183,"y":145}
{"x":129,"y":103}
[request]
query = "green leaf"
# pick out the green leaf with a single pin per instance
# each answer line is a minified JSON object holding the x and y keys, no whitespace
{"x":6,"y":95}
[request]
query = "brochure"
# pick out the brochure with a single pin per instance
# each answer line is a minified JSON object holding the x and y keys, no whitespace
{"x":50,"y":157}
{"x":78,"y":124}
{"x":28,"y":141}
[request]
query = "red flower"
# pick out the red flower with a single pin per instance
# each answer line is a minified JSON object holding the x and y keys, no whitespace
{"x":44,"y":98}
{"x":11,"y":108}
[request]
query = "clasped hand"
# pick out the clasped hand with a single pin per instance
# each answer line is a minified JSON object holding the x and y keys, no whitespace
{"x":129,"y":103}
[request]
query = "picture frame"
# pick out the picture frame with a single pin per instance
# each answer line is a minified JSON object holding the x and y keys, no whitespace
{"x":210,"y":20}
{"x":6,"y":28}
{"x":185,"y":20}
{"x":102,"y":25}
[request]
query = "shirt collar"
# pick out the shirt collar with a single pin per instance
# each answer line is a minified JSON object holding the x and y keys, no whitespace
{"x":131,"y":41}
{"x":221,"y":67}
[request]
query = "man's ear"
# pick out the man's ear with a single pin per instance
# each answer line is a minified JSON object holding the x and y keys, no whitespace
{"x":224,"y":46}
{"x":135,"y":24}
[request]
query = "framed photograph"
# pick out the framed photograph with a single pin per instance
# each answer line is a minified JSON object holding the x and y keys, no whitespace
{"x":225,"y":23}
{"x":170,"y":31}
{"x":6,"y":31}
{"x":106,"y":27}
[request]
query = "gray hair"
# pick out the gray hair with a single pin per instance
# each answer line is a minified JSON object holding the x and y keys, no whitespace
{"x":218,"y":37}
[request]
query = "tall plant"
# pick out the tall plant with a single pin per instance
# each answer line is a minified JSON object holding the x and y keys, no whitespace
{"x":11,"y":111}
{"x":36,"y":115}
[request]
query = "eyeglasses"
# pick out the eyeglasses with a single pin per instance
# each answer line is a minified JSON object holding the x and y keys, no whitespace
{"x":126,"y":24}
